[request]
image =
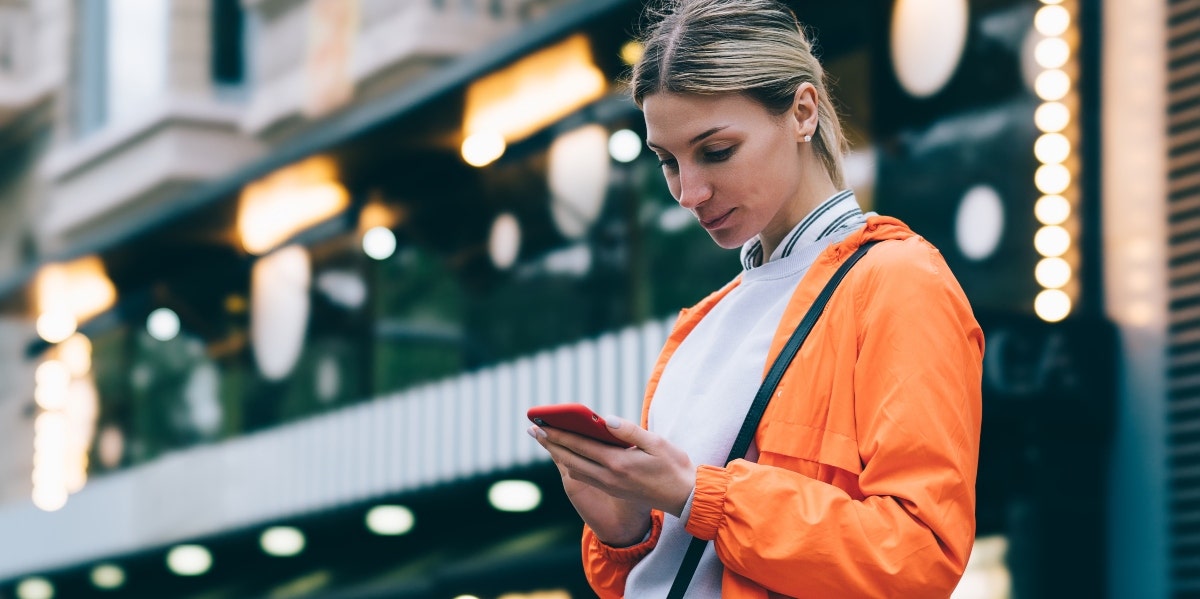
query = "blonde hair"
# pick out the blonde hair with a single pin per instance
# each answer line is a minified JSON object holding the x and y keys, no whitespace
{"x":756,"y":48}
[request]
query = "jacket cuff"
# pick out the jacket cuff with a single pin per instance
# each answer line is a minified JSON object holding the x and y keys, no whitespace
{"x":708,"y":503}
{"x":626,"y":555}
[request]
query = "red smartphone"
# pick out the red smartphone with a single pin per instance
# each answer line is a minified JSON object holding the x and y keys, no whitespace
{"x":576,"y":418}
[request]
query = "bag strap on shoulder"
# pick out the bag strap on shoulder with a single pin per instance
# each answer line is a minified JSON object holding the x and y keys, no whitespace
{"x":741,"y":444}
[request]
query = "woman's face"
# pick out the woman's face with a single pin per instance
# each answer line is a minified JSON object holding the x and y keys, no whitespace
{"x":734,"y":165}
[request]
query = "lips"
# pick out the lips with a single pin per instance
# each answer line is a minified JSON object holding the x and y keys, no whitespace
{"x":716,"y":221}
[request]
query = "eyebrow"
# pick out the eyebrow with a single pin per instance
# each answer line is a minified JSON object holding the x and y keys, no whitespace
{"x":694,"y":140}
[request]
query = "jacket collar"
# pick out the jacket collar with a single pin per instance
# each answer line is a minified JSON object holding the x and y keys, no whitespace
{"x":881,"y":228}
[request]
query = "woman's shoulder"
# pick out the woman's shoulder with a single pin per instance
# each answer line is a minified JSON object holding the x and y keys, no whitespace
{"x":905,"y":256}
{"x":903,"y":265}
{"x":898,"y":252}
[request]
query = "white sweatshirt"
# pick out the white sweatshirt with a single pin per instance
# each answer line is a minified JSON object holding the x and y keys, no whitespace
{"x":710,"y":381}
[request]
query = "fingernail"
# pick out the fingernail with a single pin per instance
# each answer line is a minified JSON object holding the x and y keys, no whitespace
{"x":613,"y":421}
{"x":536,"y":432}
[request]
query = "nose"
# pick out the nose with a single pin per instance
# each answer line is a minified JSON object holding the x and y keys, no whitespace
{"x":694,"y":189}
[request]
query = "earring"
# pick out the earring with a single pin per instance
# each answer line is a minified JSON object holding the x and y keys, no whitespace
{"x":807,"y":138}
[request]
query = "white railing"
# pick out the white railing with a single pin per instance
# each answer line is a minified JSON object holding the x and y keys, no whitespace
{"x":457,"y":428}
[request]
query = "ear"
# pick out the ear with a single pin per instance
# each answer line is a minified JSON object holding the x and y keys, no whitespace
{"x":804,"y":111}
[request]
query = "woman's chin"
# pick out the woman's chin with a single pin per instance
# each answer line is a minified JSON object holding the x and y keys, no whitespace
{"x":729,"y":240}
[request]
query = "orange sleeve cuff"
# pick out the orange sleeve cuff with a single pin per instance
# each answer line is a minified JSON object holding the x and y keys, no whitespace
{"x":626,"y":555}
{"x":708,"y":503}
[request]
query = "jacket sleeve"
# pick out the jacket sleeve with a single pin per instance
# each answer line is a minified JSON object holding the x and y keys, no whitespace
{"x":608,"y":567}
{"x":917,"y":394}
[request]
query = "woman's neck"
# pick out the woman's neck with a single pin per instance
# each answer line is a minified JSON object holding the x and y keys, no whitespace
{"x":807,"y":198}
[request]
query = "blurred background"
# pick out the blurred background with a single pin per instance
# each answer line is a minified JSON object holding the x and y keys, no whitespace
{"x":279,"y":279}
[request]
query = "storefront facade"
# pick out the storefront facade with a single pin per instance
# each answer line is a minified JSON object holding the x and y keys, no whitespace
{"x":328,"y":298}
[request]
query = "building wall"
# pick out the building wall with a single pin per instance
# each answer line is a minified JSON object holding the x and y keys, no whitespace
{"x":139,"y":149}
{"x":395,"y":43}
{"x":32,"y":62}
{"x":91,"y":168}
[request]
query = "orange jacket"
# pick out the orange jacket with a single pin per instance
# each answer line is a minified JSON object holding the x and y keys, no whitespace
{"x":865,"y":482}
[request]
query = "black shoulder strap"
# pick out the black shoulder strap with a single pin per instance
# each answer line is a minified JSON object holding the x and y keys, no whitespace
{"x":742,"y":443}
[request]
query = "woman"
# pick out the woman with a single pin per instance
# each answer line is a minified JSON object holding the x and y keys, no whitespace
{"x":860,"y":481}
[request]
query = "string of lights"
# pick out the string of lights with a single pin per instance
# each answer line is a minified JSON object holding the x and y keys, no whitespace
{"x":1057,"y":168}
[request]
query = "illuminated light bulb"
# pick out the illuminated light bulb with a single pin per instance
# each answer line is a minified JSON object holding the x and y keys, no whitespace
{"x":1052,"y":53}
{"x":624,"y":145}
{"x":1052,"y":179}
{"x":534,"y":92}
{"x":504,"y":241}
{"x":273,"y":209}
{"x":631,"y":52}
{"x":577,"y":174}
{"x":979,"y":224}
{"x":49,"y":499}
{"x":50,"y":398}
{"x":49,"y":465}
{"x":379,"y":243}
{"x":76,"y":353}
{"x":514,"y":496}
{"x":163,"y":324}
{"x":1052,"y":85}
{"x":1052,"y":117}
{"x":577,"y":171}
{"x":1052,"y":273}
{"x":282,"y":541}
{"x":1052,"y":305}
{"x":280,"y":295}
{"x":1052,"y":210}
{"x":50,"y":423}
{"x":49,"y":488}
{"x":56,"y":327}
{"x":390,"y":520}
{"x":108,"y":576}
{"x":1052,"y":241}
{"x":1052,"y":148}
{"x":53,"y":374}
{"x":50,"y":479}
{"x":189,"y":560}
{"x":35,"y":587}
{"x":928,"y":38}
{"x":483,"y":148}
{"x":76,"y":475}
{"x":1052,"y":20}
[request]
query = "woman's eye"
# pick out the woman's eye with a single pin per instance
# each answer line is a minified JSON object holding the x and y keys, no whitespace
{"x":719,"y":155}
{"x":667,"y":163}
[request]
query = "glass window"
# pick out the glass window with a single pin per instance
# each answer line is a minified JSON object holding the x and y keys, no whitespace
{"x":138,"y":50}
{"x":230,"y":31}
{"x":90,"y":53}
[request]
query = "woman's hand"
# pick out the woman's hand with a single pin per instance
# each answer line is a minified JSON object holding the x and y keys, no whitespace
{"x":614,"y":488}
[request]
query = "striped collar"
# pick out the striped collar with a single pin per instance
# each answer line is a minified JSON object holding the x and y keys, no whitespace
{"x":839,"y":211}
